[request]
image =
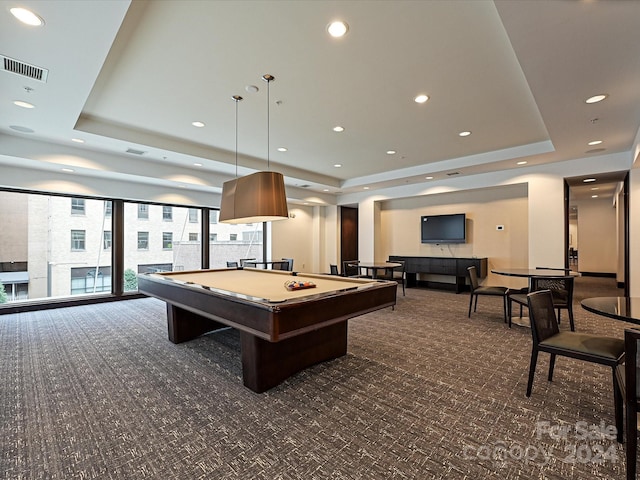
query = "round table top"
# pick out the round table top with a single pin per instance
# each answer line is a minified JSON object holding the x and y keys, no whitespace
{"x":532,"y":272}
{"x":620,"y":308}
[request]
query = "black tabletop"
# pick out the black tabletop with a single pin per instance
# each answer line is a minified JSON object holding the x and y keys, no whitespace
{"x":620,"y":308}
{"x":532,"y":272}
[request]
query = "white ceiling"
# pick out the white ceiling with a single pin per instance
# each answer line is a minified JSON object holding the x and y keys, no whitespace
{"x":134,"y":75}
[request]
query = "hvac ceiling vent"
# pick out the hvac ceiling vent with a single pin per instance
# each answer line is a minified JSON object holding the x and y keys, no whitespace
{"x":305,"y":186}
{"x":450,"y":174}
{"x":24,"y":69}
{"x":135,"y":152}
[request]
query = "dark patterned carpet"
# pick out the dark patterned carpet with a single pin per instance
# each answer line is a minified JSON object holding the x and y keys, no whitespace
{"x":98,"y":392}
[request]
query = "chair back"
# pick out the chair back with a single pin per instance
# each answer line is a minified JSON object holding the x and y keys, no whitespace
{"x":473,"y":277}
{"x":334,"y":269}
{"x":232,"y":264}
{"x":349,"y":271}
{"x":283,"y":265}
{"x":561,"y":288}
{"x":289,"y":264}
{"x":542,"y":314}
{"x":242,"y":260}
{"x":631,"y":363}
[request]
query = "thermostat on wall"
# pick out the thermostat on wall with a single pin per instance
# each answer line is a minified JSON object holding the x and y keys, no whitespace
{"x":499,"y":227}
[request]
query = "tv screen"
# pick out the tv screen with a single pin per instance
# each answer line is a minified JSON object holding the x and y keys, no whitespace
{"x":443,"y":228}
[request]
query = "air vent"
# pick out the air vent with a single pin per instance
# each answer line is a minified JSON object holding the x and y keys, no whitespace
{"x":305,"y":186}
{"x":135,"y":152}
{"x":451,"y":174}
{"x":24,"y":69}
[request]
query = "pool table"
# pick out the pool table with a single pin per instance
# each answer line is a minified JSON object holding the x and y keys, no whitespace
{"x":281,"y":331}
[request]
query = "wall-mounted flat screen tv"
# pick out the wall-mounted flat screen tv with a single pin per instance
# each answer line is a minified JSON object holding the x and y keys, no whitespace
{"x":443,"y":228}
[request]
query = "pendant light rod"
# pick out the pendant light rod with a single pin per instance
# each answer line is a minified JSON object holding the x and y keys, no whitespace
{"x":237,"y":99}
{"x":268,"y":78}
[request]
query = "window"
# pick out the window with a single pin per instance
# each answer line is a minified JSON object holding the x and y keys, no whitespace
{"x":213,"y":216}
{"x":233,"y":237}
{"x":107,"y":208}
{"x":167,"y":240}
{"x":87,"y":280}
{"x":193,"y":237}
{"x":167,"y":213}
{"x":78,"y":240}
{"x":143,"y":240}
{"x":193,"y":215}
{"x":213,"y":237}
{"x":143,"y":211}
{"x":106,"y":240}
{"x":77,"y":206}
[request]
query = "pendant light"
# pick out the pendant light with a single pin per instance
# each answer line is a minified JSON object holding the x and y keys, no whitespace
{"x":259,"y":197}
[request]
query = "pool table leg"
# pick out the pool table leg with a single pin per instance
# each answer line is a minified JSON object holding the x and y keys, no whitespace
{"x":266,"y":364}
{"x":184,"y":325}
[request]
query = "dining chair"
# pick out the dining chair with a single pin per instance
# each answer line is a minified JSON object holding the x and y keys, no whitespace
{"x":492,"y":291}
{"x":628,"y":383}
{"x":396,"y":274}
{"x":349,"y":269}
{"x":242,"y":260}
{"x":283,"y":265}
{"x":333,"y":269}
{"x":547,"y":337}
{"x":561,"y":288}
{"x":232,"y":264}
{"x":289,"y":264}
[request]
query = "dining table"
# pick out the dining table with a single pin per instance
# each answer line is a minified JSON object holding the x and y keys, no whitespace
{"x":619,"y":308}
{"x":372,"y":268}
{"x":530,"y":273}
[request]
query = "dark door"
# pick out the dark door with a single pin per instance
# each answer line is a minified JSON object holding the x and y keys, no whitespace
{"x":348,"y":234}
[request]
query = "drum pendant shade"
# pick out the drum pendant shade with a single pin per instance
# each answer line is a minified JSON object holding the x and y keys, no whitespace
{"x":259,"y":197}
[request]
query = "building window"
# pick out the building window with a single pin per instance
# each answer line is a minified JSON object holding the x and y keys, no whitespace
{"x":233,"y":237}
{"x":213,"y":216}
{"x":193,"y":215}
{"x":77,"y":206}
{"x":78,"y":240}
{"x":167,"y":240}
{"x":107,"y":208}
{"x":193,"y":237}
{"x":167,"y":213}
{"x":143,"y":240}
{"x":87,"y":280}
{"x":106,"y":240}
{"x":143,"y":211}
{"x":213,"y":237}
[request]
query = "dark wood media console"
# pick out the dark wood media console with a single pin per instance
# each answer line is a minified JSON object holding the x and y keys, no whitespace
{"x":453,"y":266}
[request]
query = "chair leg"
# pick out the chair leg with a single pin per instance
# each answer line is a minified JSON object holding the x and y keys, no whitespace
{"x":570,"y":311}
{"x":504,"y":308}
{"x":632,"y":440}
{"x":470,"y":303}
{"x":475,"y":305}
{"x":618,"y":407}
{"x":532,"y":370}
{"x":552,"y":363}
{"x":509,"y":310}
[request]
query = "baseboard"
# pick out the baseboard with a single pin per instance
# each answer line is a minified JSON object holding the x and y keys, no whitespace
{"x":598,"y":274}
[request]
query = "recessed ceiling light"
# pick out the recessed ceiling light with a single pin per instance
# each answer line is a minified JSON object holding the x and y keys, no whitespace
{"x":522,"y":162}
{"x":22,"y":104}
{"x":68,"y":170}
{"x":428,"y":178}
{"x":391,"y":152}
{"x":27,"y":16}
{"x":365,"y":188}
{"x":587,"y":180}
{"x":597,"y":98}
{"x":337,"y":165}
{"x":282,"y":149}
{"x":338,"y":28}
{"x":595,"y":188}
{"x":197,"y":164}
{"x":594,"y":196}
{"x":421,"y":98}
{"x":325,"y":190}
{"x":77,"y":140}
{"x":197,"y":124}
{"x":466,"y":133}
{"x":338,"y":129}
{"x":251,"y":88}
{"x":595,"y":142}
